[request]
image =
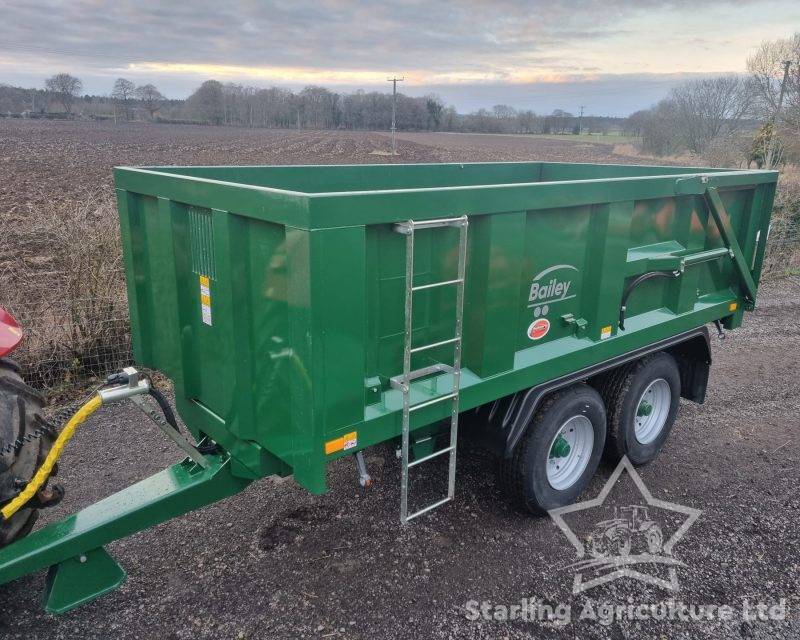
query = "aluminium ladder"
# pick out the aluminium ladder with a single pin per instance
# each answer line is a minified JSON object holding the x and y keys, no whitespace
{"x":403,"y":382}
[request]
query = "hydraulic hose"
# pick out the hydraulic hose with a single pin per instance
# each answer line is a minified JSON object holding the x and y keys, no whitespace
{"x":46,"y":469}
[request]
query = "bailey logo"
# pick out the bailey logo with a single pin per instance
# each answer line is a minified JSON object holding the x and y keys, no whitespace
{"x":539,"y":329}
{"x":547,"y":289}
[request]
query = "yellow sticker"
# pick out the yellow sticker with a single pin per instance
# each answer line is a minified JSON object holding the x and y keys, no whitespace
{"x":605,"y":332}
{"x":347,"y":441}
{"x":205,"y":299}
{"x":332,"y":446}
{"x":732,"y":306}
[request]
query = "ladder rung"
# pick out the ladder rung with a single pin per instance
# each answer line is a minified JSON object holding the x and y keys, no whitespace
{"x":428,"y":508}
{"x":433,"y":285}
{"x":435,"y":454}
{"x":433,"y":345}
{"x":398,"y":382}
{"x":428,"y":403}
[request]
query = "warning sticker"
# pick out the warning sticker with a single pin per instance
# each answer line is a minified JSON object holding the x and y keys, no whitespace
{"x":205,"y":299}
{"x":347,"y":441}
{"x":605,"y":332}
{"x":350,"y":441}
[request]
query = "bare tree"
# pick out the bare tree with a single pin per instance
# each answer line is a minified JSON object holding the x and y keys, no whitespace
{"x":708,"y":108}
{"x":123,"y":94}
{"x":767,"y":69}
{"x":65,"y":88}
{"x":659,"y":128}
{"x":150,"y":97}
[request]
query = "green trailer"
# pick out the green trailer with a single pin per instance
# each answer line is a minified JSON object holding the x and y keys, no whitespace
{"x":552,"y":312}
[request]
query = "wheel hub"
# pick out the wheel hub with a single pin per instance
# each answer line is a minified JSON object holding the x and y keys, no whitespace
{"x":560,"y":448}
{"x":570,"y":452}
{"x":653,"y":410}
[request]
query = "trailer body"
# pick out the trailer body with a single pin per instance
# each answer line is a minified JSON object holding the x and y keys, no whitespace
{"x":274,"y":296}
{"x":290,"y":304}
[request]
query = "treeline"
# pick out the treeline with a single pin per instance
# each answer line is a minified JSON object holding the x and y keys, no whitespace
{"x":320,"y":108}
{"x":313,"y":107}
{"x":752,"y":118}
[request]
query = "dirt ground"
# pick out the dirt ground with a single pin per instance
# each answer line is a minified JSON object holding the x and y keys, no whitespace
{"x":275,"y":562}
{"x":45,"y":163}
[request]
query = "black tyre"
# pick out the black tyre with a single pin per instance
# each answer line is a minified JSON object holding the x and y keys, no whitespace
{"x":20,"y":417}
{"x":641,"y":401}
{"x":560,"y":451}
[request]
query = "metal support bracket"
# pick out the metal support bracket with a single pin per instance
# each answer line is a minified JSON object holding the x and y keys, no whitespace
{"x":723,"y":222}
{"x":177,"y":437}
{"x":136,"y":387}
{"x":81,"y":579}
{"x":579,"y":324}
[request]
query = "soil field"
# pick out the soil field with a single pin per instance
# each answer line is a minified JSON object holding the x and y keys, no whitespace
{"x":275,"y":562}
{"x":44,"y":163}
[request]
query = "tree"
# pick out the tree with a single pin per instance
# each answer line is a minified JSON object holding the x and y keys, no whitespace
{"x":434,"y":106}
{"x":208,"y":102}
{"x":150,"y":97}
{"x":636,"y":123}
{"x":65,"y":88}
{"x":659,"y":128}
{"x":123,"y":93}
{"x":766,"y":67}
{"x":708,"y":108}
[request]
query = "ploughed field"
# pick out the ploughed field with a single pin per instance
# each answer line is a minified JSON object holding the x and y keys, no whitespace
{"x":275,"y":562}
{"x":43,"y":163}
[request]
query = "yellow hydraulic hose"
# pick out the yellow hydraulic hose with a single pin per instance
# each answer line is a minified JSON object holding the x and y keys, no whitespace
{"x":47,"y":467}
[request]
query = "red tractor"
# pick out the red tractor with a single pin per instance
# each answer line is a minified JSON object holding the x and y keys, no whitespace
{"x":25,"y":438}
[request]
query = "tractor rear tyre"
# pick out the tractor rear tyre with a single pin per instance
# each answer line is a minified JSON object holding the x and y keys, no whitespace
{"x":20,"y":417}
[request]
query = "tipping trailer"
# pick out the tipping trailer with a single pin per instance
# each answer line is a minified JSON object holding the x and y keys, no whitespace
{"x":553,"y":312}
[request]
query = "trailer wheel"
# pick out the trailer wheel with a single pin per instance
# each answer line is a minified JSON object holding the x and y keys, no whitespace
{"x":20,"y":415}
{"x":641,"y":401}
{"x":560,"y":450}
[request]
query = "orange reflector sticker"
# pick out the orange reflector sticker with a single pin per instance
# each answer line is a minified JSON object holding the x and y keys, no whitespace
{"x":347,"y":441}
{"x":732,"y":307}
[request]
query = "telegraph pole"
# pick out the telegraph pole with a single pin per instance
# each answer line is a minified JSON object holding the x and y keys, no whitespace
{"x":394,"y":82}
{"x":580,"y":120}
{"x":771,"y":149}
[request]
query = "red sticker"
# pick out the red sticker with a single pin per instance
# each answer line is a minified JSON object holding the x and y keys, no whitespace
{"x":539,"y":329}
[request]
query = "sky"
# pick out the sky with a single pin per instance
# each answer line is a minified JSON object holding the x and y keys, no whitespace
{"x":610,"y":56}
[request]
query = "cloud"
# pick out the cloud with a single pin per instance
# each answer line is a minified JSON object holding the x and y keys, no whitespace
{"x":351,"y":43}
